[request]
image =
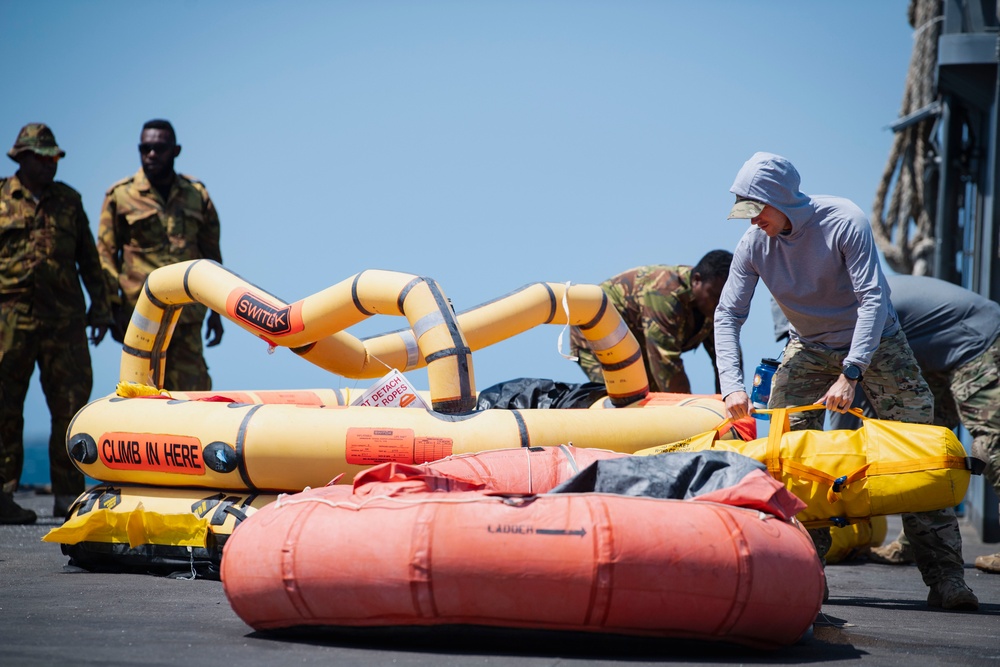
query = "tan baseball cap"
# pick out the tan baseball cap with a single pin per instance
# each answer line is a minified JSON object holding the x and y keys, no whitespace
{"x":745,"y":208}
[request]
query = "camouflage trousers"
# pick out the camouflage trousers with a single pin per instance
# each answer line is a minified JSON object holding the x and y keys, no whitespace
{"x":585,"y":358}
{"x":975,"y":387}
{"x":897,"y":392}
{"x":60,"y":351}
{"x":186,"y":369}
{"x":893,"y":383}
{"x":973,"y":392}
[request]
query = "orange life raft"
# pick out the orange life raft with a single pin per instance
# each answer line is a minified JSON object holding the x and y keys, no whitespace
{"x":523,"y":470}
{"x":409,"y":546}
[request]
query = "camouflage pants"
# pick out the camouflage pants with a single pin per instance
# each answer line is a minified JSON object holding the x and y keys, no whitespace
{"x":186,"y":369}
{"x":60,"y":351}
{"x":585,"y":358}
{"x":974,"y":396}
{"x":945,"y":410}
{"x":893,"y":382}
{"x":976,"y":389}
{"x":897,"y":392}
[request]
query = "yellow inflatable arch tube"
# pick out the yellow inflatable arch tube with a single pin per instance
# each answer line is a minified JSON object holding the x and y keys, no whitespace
{"x":583,"y":306}
{"x":437,"y":337}
{"x":285,"y":447}
{"x":168,"y":289}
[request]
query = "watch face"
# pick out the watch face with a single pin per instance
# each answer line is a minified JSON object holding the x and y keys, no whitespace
{"x":852,"y":372}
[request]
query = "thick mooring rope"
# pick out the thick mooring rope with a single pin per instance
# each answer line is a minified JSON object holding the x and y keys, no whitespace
{"x":904,"y":230}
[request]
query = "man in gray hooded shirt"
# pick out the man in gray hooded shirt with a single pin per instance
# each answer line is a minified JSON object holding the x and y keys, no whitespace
{"x":817,"y":256}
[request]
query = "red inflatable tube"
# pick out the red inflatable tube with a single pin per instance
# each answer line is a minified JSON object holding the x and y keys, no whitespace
{"x":393,"y":553}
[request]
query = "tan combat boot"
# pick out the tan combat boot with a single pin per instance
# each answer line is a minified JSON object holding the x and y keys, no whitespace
{"x":989,"y":564}
{"x":893,"y":553}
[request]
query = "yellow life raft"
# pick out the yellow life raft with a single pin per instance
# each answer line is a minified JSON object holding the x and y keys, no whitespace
{"x":280,"y":441}
{"x":148,"y":528}
{"x":286,"y":447}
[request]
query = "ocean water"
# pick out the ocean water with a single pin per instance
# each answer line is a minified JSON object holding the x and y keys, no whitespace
{"x":36,"y":464}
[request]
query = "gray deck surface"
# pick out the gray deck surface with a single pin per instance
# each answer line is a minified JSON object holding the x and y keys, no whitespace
{"x":52,"y":615}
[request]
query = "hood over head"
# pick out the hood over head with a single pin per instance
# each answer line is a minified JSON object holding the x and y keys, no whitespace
{"x":773,"y":180}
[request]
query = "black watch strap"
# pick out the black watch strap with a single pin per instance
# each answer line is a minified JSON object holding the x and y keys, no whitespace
{"x":852,"y":372}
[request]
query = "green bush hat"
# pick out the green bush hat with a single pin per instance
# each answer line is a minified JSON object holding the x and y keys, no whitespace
{"x":37,"y":138}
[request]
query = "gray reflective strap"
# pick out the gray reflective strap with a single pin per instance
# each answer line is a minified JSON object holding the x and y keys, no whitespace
{"x":412,"y":351}
{"x":611,"y":339}
{"x":144,"y":323}
{"x":427,"y":322}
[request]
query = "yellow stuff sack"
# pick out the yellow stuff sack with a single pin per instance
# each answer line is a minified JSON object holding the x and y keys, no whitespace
{"x":885,"y":467}
{"x":850,"y":542}
{"x":139,"y":515}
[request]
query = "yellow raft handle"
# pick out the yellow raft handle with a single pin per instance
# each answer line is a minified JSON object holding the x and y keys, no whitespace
{"x":775,"y":465}
{"x":802,"y":408}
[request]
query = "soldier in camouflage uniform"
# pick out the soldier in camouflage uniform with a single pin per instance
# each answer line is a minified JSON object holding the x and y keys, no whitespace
{"x":669,"y":309}
{"x":46,"y":247}
{"x":955,"y":336}
{"x":894,"y":377}
{"x":154,"y":218}
{"x":817,"y":256}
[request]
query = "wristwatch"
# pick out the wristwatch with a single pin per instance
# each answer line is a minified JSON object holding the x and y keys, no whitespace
{"x":852,"y":372}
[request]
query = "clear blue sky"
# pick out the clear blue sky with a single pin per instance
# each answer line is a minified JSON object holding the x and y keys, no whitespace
{"x":487,"y":145}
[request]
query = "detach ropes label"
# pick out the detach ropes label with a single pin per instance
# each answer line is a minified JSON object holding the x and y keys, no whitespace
{"x":391,"y":391}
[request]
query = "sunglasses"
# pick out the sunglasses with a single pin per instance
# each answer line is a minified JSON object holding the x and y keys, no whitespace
{"x":159,"y":147}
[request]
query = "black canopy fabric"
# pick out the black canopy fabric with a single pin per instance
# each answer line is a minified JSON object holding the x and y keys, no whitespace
{"x":528,"y":393}
{"x":679,"y":475}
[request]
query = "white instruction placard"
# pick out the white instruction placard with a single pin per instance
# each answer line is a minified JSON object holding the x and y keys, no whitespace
{"x":392,"y":391}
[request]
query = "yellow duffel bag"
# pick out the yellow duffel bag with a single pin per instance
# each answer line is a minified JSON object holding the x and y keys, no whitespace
{"x":885,"y":467}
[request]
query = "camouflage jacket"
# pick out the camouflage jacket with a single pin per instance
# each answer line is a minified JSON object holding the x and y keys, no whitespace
{"x":139,"y":232}
{"x":657,"y":305}
{"x":46,"y":247}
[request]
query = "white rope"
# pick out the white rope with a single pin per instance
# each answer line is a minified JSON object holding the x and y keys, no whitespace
{"x":447,"y":498}
{"x":565,"y":329}
{"x":372,"y":356}
{"x":405,"y":502}
{"x":527,"y":453}
{"x":569,"y":457}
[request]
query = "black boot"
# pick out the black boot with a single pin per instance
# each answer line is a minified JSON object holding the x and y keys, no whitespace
{"x":62,"y":505}
{"x":12,"y":513}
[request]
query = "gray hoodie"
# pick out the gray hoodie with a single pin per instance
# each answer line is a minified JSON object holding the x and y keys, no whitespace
{"x":824,"y":273}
